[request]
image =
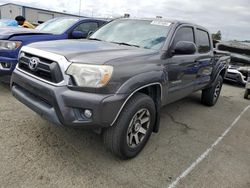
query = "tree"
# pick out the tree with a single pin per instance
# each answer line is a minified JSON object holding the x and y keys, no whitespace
{"x":217,"y":36}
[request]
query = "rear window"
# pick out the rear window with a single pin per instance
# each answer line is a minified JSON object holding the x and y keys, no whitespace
{"x":203,"y":41}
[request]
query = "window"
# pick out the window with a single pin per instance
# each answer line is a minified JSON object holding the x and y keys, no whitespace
{"x":184,"y":34}
{"x":203,"y":41}
{"x":57,"y":25}
{"x":87,"y":27}
{"x":148,"y":34}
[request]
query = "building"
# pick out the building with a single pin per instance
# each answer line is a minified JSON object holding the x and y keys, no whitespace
{"x":33,"y":15}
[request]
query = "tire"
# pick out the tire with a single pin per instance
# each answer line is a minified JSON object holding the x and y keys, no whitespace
{"x":121,"y":139}
{"x":211,"y":95}
{"x":247,"y":92}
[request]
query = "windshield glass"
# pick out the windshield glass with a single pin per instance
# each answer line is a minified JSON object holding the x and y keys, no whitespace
{"x":8,"y":23}
{"x":57,"y":25}
{"x":142,"y":33}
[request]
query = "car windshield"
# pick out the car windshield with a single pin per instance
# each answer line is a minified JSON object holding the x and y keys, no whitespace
{"x":140,"y":33}
{"x":57,"y":25}
{"x":5,"y":22}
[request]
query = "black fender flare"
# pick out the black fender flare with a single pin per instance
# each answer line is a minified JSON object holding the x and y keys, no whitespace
{"x":217,"y":73}
{"x":139,"y":82}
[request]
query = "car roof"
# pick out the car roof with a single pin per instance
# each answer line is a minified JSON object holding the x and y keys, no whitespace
{"x":79,"y":18}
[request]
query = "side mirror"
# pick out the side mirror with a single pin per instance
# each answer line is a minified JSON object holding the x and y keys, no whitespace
{"x":184,"y":48}
{"x":90,"y":33}
{"x":79,"y":35}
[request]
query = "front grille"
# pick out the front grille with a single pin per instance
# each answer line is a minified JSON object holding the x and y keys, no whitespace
{"x":46,"y":69}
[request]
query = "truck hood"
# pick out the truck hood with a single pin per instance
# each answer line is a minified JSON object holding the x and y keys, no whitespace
{"x":94,"y":52}
{"x":8,"y":32}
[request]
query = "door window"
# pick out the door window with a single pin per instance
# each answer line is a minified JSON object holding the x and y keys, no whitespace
{"x":203,"y":41}
{"x":87,"y":27}
{"x":184,"y":34}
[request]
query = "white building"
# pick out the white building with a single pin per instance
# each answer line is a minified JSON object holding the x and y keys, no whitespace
{"x":33,"y":15}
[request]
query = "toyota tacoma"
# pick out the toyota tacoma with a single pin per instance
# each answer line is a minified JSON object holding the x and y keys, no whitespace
{"x":117,"y":80}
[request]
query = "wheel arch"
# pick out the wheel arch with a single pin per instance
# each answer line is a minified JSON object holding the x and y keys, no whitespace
{"x":153,"y":90}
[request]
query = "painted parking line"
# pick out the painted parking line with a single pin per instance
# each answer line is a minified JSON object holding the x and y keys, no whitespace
{"x":205,"y":154}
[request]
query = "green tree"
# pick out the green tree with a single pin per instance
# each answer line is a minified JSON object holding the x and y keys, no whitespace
{"x":217,"y":36}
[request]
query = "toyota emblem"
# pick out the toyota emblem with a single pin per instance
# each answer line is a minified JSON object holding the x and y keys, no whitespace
{"x":33,"y":63}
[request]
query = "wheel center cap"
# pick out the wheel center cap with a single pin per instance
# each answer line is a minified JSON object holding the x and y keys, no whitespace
{"x":137,"y":127}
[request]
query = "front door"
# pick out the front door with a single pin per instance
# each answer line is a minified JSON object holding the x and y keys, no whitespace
{"x":182,"y":69}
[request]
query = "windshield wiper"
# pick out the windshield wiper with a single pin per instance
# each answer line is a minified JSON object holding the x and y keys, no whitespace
{"x":94,"y":39}
{"x":123,"y":43}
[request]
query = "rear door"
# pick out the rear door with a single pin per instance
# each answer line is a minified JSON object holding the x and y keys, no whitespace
{"x":181,"y":68}
{"x":205,"y":62}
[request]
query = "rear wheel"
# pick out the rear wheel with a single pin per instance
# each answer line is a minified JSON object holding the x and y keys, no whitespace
{"x":128,"y":136}
{"x":210,"y":95}
{"x":247,"y":93}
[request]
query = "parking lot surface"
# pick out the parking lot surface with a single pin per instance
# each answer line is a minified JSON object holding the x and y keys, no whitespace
{"x":36,"y":153}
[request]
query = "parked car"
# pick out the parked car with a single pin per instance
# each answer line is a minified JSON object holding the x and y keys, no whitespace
{"x":12,"y":39}
{"x":8,"y":22}
{"x":238,"y":70}
{"x":117,"y":81}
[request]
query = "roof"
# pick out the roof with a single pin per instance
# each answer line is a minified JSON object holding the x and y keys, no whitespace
{"x":41,"y":9}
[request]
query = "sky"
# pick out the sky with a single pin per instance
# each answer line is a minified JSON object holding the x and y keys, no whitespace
{"x":231,"y":17}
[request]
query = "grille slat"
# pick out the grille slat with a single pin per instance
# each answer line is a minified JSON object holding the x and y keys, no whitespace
{"x":46,"y":69}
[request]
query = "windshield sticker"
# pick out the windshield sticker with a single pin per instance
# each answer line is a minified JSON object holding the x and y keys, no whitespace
{"x":161,"y":22}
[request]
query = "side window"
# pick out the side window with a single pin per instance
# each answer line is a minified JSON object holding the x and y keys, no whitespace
{"x":203,"y":41}
{"x":87,"y":27}
{"x":184,"y":34}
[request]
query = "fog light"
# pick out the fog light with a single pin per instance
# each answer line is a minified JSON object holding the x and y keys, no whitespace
{"x":5,"y":65}
{"x":88,"y":113}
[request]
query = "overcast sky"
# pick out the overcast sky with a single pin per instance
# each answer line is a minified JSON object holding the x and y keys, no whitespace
{"x":230,"y":16}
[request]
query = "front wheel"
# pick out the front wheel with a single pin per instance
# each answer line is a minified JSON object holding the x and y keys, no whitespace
{"x":211,"y":95}
{"x":128,"y":136}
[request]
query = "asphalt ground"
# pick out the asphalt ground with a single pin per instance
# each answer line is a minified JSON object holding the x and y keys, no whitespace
{"x":36,"y":153}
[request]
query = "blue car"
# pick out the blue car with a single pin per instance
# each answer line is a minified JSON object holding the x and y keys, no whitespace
{"x":8,"y":22}
{"x":13,"y":38}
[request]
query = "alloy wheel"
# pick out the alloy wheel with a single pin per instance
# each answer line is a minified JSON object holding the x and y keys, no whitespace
{"x":138,"y":127}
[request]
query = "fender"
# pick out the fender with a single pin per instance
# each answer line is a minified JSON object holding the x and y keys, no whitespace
{"x":142,"y":80}
{"x":157,"y":105}
{"x":135,"y":84}
{"x":222,"y":65}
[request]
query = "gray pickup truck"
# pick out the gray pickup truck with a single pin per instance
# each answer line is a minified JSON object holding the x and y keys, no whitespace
{"x":118,"y":79}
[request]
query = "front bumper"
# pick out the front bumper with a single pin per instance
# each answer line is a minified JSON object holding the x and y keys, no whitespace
{"x":63,"y":106}
{"x":7,"y":71}
{"x":235,"y":76}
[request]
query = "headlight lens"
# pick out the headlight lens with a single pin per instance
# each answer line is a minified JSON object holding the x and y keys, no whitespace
{"x":9,"y":45}
{"x":94,"y":76}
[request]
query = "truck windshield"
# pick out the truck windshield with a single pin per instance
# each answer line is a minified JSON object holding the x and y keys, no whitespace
{"x":57,"y":25}
{"x":149,"y":34}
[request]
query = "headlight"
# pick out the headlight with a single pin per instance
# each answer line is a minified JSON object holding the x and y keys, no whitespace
{"x":94,"y":76}
{"x":9,"y":45}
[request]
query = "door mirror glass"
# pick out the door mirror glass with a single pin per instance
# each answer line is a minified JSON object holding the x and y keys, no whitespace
{"x":79,"y":34}
{"x":184,"y":48}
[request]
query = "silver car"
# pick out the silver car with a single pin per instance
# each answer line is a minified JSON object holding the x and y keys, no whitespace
{"x":238,"y":74}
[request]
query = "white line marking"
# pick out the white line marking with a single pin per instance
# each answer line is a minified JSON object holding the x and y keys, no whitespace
{"x":205,"y":154}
